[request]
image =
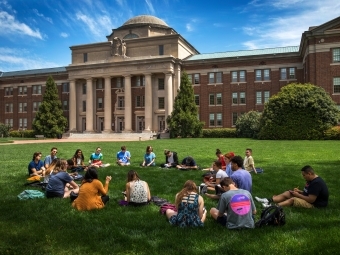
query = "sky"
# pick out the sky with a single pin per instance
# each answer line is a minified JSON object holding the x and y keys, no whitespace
{"x":37,"y":34}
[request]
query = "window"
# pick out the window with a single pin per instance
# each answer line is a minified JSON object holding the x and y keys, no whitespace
{"x":262,"y":75}
{"x":85,"y":57}
{"x":120,"y":82}
{"x":239,"y":98}
{"x":266,"y":96}
{"x":9,"y":107}
{"x":66,"y":87}
{"x":100,"y":103}
{"x":238,"y":76}
{"x":211,"y":99}
{"x":22,"y":90}
{"x":99,"y":83}
{"x":36,"y":89}
{"x":36,"y":106}
{"x":336,"y":84}
{"x":215,"y":99}
{"x":218,"y":119}
{"x":161,"y":103}
{"x":22,"y":107}
{"x":140,"y":81}
{"x":121,"y":103}
{"x":65,"y":105}
{"x":211,"y":119}
{"x":194,"y":78}
{"x":259,"y":97}
{"x":140,"y":101}
{"x":215,"y":77}
{"x":9,"y":122}
{"x":218,"y":98}
{"x":234,"y":119}
{"x":84,"y":89}
{"x":336,"y":55}
{"x":23,"y":123}
{"x":197,"y":99}
{"x":84,"y":106}
{"x":290,"y":71}
{"x":161,"y":49}
{"x":9,"y":91}
{"x":161,"y":84}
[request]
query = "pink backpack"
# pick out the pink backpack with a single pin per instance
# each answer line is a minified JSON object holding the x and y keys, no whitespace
{"x":167,"y":206}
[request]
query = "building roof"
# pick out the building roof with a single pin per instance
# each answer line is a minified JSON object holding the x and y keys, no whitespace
{"x":33,"y":72}
{"x":145,"y":19}
{"x":245,"y":53}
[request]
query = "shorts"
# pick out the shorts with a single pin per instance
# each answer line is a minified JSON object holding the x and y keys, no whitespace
{"x":298,"y":202}
{"x":54,"y":195}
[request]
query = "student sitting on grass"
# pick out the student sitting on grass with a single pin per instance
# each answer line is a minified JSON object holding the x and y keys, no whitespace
{"x":123,"y":157}
{"x":220,"y":175}
{"x":188,"y":163}
{"x":137,"y":192}
{"x":221,"y":158}
{"x":88,"y":197}
{"x":227,"y":157}
{"x":55,"y":164}
{"x":190,"y":206}
{"x":61,"y":184}
{"x":36,"y":166}
{"x":78,"y":161}
{"x":171,"y":159}
{"x":149,"y":157}
{"x":49,"y":158}
{"x":235,"y":208}
{"x":248,"y":162}
{"x":314,"y":194}
{"x":96,"y":159}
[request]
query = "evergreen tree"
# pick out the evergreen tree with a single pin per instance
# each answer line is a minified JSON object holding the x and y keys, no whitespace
{"x":183,"y":121}
{"x":49,"y":120}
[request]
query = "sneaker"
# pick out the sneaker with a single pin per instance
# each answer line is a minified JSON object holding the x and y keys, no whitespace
{"x":265,"y":205}
{"x":262,"y":200}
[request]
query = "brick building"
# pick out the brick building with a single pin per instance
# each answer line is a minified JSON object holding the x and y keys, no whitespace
{"x":129,"y":82}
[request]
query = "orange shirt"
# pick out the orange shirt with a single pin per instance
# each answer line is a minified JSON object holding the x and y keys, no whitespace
{"x":90,"y":196}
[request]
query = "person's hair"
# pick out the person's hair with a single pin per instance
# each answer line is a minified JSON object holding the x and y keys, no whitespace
{"x":36,"y":154}
{"x":248,"y":149}
{"x":189,"y":159}
{"x":218,"y":152}
{"x":70,"y":162}
{"x":237,"y":160}
{"x":308,"y":169}
{"x":218,"y":163}
{"x":226,"y":181}
{"x":189,"y":186}
{"x":54,"y":164}
{"x":90,"y":174}
{"x":166,"y":152}
{"x":76,"y":154}
{"x":123,"y":148}
{"x":229,"y":155}
{"x":63,"y":163}
{"x":132,"y":175}
{"x":149,"y":147}
{"x":54,"y":148}
{"x":97,"y":148}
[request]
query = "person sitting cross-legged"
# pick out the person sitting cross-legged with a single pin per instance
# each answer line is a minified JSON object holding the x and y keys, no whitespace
{"x":220,"y":175}
{"x":235,"y":208}
{"x":36,"y":166}
{"x":314,"y":194}
{"x":171,"y":159}
{"x":149,"y":157}
{"x":188,"y":163}
{"x":123,"y":157}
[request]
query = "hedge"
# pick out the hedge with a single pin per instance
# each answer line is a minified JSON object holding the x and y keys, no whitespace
{"x":219,"y":133}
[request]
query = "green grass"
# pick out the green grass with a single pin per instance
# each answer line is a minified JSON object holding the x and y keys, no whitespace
{"x":53,"y":227}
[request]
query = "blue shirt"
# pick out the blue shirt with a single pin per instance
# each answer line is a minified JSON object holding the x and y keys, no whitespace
{"x":149,"y":157}
{"x":242,"y":179}
{"x":37,"y":166}
{"x":49,"y":159}
{"x":123,"y":156}
{"x":57,"y":182}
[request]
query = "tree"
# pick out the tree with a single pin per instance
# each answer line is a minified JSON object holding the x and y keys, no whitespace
{"x":183,"y":121}
{"x":4,"y":130}
{"x":49,"y":120}
{"x":298,"y":112}
{"x":247,"y":125}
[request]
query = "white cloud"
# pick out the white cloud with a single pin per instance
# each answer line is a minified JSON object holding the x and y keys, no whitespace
{"x":65,"y":35}
{"x":189,"y":27}
{"x":42,"y":16}
{"x":9,"y":25}
{"x":120,"y":2}
{"x":150,"y":7}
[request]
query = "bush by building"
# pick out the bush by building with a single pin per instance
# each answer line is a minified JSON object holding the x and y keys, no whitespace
{"x":219,"y":133}
{"x":247,"y":125}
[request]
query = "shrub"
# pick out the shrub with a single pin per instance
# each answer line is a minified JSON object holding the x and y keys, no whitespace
{"x":333,"y":133}
{"x":247,"y":125}
{"x":4,"y":130}
{"x":298,"y":112}
{"x":219,"y":133}
{"x":22,"y":133}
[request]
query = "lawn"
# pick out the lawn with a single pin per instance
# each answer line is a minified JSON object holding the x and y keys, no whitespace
{"x":44,"y":226}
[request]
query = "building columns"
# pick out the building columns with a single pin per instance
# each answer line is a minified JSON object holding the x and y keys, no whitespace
{"x":148,"y":103}
{"x":177,"y":82}
{"x":107,"y":106}
{"x":89,"y":106}
{"x":72,"y":107}
{"x":128,"y":105}
{"x":169,"y":94}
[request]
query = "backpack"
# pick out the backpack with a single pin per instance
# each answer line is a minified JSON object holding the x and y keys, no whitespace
{"x":272,"y":215}
{"x":167,"y":206}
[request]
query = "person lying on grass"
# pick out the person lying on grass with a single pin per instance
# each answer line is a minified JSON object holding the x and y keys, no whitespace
{"x":314,"y":194}
{"x":235,"y":208}
{"x":92,"y":193}
{"x":190,"y":207}
{"x":137,"y":192}
{"x":61,"y":184}
{"x":36,"y":166}
{"x":188,"y":163}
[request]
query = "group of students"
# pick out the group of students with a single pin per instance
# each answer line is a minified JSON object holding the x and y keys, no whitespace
{"x":232,"y":186}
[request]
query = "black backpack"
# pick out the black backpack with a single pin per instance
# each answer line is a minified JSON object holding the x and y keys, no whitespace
{"x":272,"y":215}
